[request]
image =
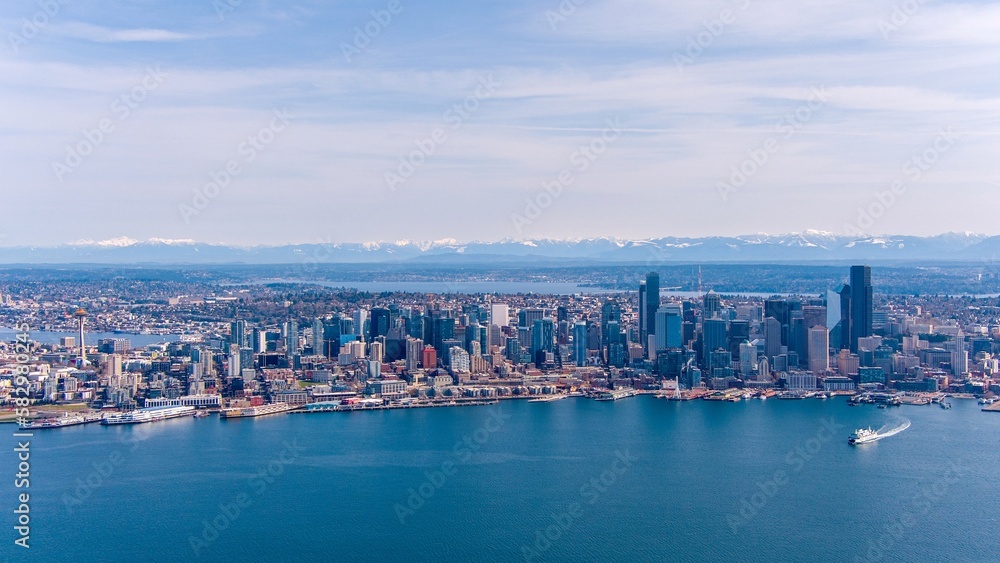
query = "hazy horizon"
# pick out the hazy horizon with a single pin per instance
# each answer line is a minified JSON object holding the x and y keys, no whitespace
{"x":124,"y":241}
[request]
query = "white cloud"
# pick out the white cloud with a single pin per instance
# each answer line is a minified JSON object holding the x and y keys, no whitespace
{"x":99,"y":34}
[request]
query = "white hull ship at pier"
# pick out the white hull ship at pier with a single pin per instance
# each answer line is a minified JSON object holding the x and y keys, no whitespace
{"x":260,"y":410}
{"x":62,"y":421}
{"x":142,"y":416}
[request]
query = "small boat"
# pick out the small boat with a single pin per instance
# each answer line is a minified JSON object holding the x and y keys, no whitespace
{"x":882,"y":406}
{"x":945,"y":405}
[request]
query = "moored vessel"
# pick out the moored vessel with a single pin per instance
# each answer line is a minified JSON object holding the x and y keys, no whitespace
{"x":142,"y":416}
{"x":547,"y":398}
{"x":59,"y":422}
{"x":261,"y":410}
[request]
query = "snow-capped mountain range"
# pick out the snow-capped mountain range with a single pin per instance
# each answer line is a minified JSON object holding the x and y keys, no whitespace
{"x":805,"y":246}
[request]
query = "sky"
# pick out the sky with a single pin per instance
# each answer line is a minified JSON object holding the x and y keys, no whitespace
{"x":261,"y":122}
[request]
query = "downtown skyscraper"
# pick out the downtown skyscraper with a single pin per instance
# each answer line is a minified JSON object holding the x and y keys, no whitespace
{"x":862,"y":304}
{"x":649,"y":302}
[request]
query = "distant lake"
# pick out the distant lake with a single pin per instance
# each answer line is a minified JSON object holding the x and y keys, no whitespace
{"x":505,"y":287}
{"x":550,"y":288}
{"x":137,"y":340}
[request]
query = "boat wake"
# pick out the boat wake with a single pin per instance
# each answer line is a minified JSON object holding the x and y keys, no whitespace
{"x":885,"y":431}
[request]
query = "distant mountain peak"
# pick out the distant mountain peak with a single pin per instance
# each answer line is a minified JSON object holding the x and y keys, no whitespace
{"x":121,"y":242}
{"x":114,"y":242}
{"x":809,"y":245}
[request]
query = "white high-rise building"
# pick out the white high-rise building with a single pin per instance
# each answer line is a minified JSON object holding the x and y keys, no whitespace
{"x":376,"y":351}
{"x":959,"y":355}
{"x":748,"y":359}
{"x":414,"y":349}
{"x":316,"y":338}
{"x":234,"y":360}
{"x":460,"y":360}
{"x":113,"y":369}
{"x":819,"y":349}
{"x":499,"y":314}
{"x":360,"y":320}
{"x":207,"y":365}
{"x":763,"y":369}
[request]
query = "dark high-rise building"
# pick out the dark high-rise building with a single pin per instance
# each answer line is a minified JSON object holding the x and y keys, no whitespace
{"x":580,"y":343}
{"x":772,"y":337}
{"x":862,"y":304}
{"x":331,"y":338}
{"x":542,"y":336}
{"x":714,"y":336}
{"x":798,"y":338}
{"x":840,"y":335}
{"x":739,"y":331}
{"x":610,"y":311}
{"x":779,"y":309}
{"x":713,"y":303}
{"x":527,"y":317}
{"x":238,"y":333}
{"x":814,"y":315}
{"x":652,"y":300}
{"x":379,"y":323}
{"x":642,"y":313}
{"x":562,"y":314}
{"x":616,"y":345}
{"x":444,"y":331}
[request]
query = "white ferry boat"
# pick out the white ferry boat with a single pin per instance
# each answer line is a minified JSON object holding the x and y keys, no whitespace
{"x":863,"y":435}
{"x":59,"y":422}
{"x":262,"y":410}
{"x":141,"y":416}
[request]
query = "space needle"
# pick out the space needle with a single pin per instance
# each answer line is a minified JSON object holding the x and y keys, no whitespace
{"x":81,"y":317}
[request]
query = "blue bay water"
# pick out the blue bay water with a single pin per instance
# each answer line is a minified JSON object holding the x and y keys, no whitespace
{"x":687,"y":470}
{"x":50,"y":337}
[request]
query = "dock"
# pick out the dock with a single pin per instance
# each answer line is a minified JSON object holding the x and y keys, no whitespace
{"x":321,"y":408}
{"x":995,"y":407}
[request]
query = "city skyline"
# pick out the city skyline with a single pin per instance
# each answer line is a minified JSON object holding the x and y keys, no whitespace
{"x":569,"y":280}
{"x":767,"y":116}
